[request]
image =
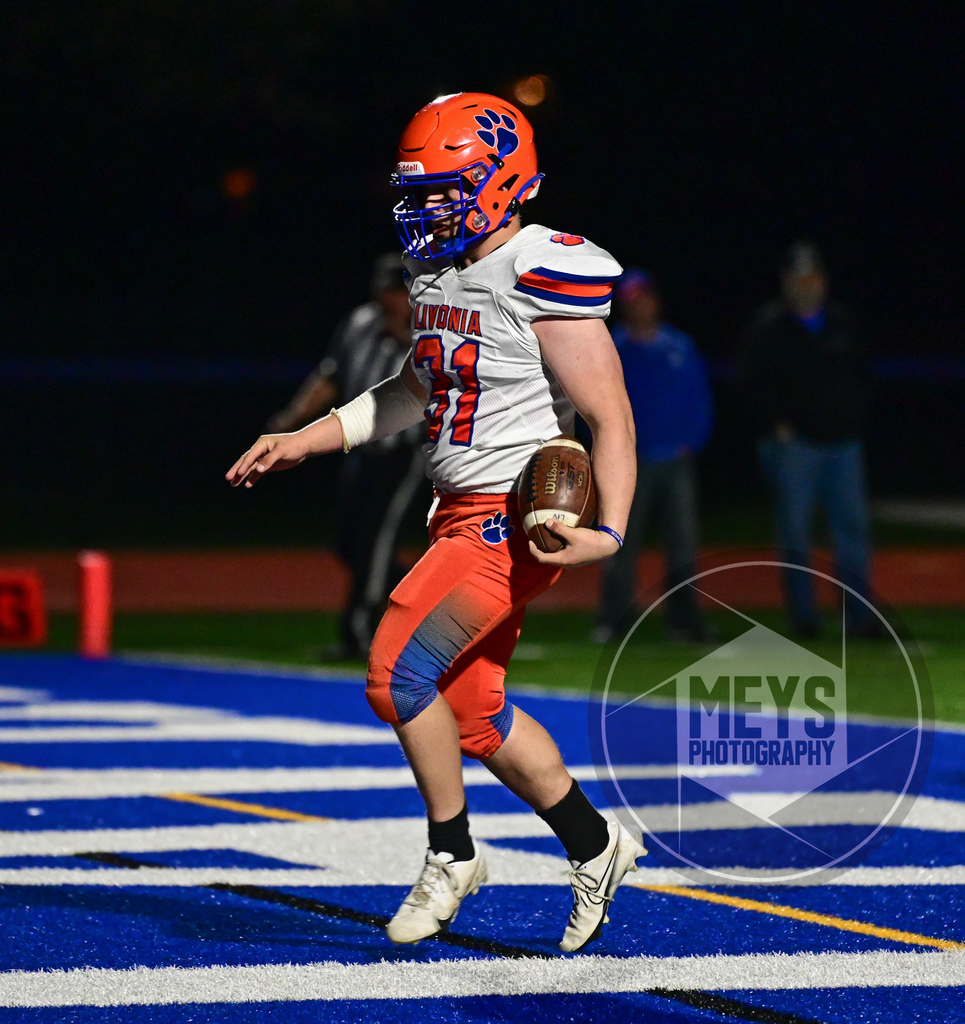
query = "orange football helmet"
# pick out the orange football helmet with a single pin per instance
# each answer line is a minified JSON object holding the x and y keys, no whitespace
{"x":473,"y":142}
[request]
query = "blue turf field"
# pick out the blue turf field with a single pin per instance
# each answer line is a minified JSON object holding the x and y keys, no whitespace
{"x":186,"y":844}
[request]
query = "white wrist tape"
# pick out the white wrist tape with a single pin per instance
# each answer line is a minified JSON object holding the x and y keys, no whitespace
{"x":385,"y":409}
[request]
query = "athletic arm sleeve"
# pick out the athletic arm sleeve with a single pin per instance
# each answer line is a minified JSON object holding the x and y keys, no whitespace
{"x":385,"y":409}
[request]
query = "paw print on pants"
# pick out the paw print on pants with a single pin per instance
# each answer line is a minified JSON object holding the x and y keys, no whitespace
{"x":497,"y":528}
{"x":497,"y":131}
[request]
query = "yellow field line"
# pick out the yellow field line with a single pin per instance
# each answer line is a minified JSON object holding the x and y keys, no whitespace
{"x":259,"y":810}
{"x":775,"y":909}
{"x":242,"y":808}
{"x":829,"y":920}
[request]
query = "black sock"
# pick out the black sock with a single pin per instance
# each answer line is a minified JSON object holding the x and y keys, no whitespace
{"x":580,"y":826}
{"x":452,"y":836}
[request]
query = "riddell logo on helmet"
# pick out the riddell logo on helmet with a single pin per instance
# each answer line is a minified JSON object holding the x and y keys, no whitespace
{"x":410,"y":167}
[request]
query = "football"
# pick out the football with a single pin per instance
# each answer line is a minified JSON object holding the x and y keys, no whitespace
{"x":556,"y":484}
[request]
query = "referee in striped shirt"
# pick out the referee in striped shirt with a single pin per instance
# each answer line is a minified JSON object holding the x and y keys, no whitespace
{"x":378,"y":482}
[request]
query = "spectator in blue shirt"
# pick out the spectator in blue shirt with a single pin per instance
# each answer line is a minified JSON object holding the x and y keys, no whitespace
{"x":673,"y":412}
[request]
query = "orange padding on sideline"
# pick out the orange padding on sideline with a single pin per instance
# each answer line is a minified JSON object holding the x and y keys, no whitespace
{"x":96,"y":605}
{"x":315,"y":580}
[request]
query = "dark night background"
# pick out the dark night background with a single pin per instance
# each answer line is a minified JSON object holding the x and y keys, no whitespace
{"x":151,"y":323}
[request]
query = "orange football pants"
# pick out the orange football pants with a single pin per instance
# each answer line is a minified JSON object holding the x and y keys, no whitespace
{"x":453,"y":622}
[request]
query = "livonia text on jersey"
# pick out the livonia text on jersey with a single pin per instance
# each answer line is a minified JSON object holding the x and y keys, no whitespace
{"x":446,"y":318}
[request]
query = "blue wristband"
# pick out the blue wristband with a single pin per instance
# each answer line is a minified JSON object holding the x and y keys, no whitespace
{"x":612,"y":533}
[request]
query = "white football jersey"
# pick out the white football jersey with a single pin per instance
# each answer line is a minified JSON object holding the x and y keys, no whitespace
{"x":492,"y":399}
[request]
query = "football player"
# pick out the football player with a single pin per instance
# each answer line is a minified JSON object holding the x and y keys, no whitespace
{"x":508,"y":341}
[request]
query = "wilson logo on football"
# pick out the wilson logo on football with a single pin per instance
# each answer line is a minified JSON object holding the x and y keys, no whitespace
{"x":497,"y":131}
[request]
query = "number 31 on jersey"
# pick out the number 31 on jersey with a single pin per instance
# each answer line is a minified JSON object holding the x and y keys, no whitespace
{"x":430,"y":353}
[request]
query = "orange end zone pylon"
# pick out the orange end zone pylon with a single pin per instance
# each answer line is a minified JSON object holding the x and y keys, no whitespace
{"x":23,"y":613}
{"x":96,"y":611}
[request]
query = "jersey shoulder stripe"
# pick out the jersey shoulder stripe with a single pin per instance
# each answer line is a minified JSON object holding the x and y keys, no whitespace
{"x":563,"y":293}
{"x":553,"y":276}
{"x":571,"y":289}
{"x":559,"y":275}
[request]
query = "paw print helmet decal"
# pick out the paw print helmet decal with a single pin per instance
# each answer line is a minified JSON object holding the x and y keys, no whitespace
{"x":471,"y":143}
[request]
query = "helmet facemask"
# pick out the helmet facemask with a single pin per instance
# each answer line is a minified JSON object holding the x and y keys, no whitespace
{"x":418,"y":226}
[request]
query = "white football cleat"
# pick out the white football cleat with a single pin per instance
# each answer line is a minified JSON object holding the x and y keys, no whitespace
{"x":434,"y":900}
{"x":594,"y":884}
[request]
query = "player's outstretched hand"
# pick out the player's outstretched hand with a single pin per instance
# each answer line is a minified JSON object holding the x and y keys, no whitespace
{"x":582,"y":546}
{"x":270,"y":453}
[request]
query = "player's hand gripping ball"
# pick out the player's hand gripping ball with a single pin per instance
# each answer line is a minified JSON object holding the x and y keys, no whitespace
{"x":556,"y":484}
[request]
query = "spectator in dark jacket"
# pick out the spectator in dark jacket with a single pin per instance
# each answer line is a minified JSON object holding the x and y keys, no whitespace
{"x":673,"y":414}
{"x":803,"y":367}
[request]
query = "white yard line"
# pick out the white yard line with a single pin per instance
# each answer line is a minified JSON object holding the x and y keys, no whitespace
{"x":507,"y":867}
{"x":300,"y":838}
{"x":113,"y":711}
{"x":462,"y":978}
{"x":126,"y":721}
{"x":303,"y":731}
{"x":166,"y":877}
{"x":352,"y":853}
{"x":842,"y":808}
{"x":889,"y":876}
{"x":87,"y":784}
{"x":268,"y":838}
